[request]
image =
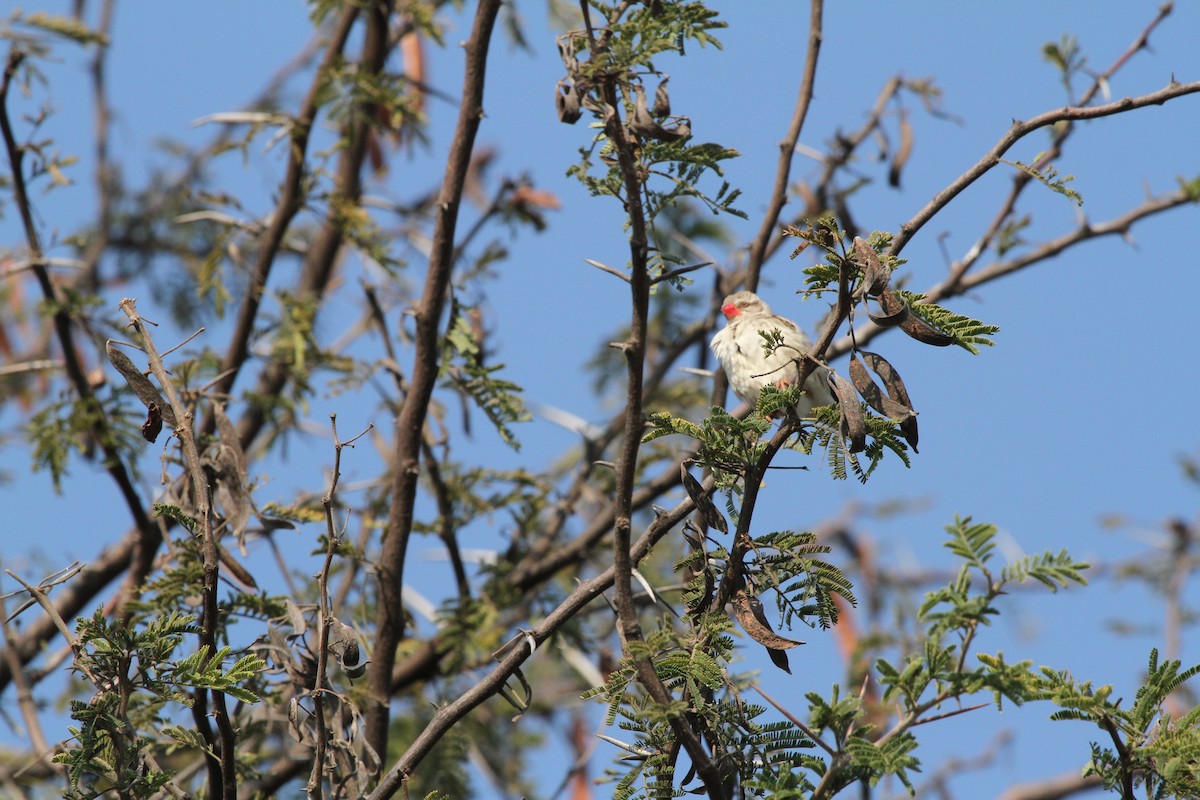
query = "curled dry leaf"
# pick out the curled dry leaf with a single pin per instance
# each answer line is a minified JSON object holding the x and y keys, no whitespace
{"x":662,"y":100}
{"x":704,"y":504}
{"x":152,"y":427}
{"x":896,"y":390}
{"x":903,"y":151}
{"x":854,"y":427}
{"x":137,"y":380}
{"x":566,"y":103}
{"x":640,"y":121}
{"x":895,"y":310}
{"x":875,"y":274}
{"x":566,"y":51}
{"x":677,"y":132}
{"x":750,"y":616}
{"x":231,"y":488}
{"x":343,"y":644}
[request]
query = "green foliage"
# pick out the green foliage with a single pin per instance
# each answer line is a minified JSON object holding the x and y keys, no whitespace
{"x":1048,"y":176}
{"x":204,"y":671}
{"x":137,"y":681}
{"x":70,"y":426}
{"x":136,"y":733}
{"x":805,"y":585}
{"x":1190,"y":189}
{"x":828,"y":435}
{"x":966,"y":332}
{"x":726,"y":445}
{"x":71,"y":28}
{"x":631,"y":43}
{"x":463,"y":366}
{"x":1067,"y":57}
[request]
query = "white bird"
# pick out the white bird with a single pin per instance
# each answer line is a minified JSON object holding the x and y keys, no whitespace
{"x":740,"y":349}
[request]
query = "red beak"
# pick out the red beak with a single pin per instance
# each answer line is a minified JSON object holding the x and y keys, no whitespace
{"x":730,"y":310}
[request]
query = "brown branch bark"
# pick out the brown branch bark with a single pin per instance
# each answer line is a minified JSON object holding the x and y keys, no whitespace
{"x":1020,"y":130}
{"x":411,"y":421}
{"x":769,"y":230}
{"x":223,"y":763}
{"x":147,"y":535}
{"x":291,"y":200}
{"x":587,"y":591}
{"x":956,"y":285}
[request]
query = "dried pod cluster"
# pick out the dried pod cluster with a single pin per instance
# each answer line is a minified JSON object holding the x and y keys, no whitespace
{"x":646,"y":120}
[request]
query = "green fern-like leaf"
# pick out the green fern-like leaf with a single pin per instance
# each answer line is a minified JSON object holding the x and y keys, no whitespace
{"x":973,"y":543}
{"x":1050,"y":569}
{"x":1049,"y":177}
{"x":966,"y":332}
{"x":463,"y":367}
{"x":663,"y":423}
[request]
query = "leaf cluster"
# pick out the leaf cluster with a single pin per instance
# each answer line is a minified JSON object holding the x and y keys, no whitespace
{"x":138,"y":680}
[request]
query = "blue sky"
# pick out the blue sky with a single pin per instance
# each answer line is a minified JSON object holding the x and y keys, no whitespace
{"x":1081,"y":409}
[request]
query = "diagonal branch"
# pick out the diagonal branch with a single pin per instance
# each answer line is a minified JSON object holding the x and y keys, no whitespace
{"x":291,"y":200}
{"x":1020,"y":130}
{"x":147,"y":532}
{"x":448,"y":715}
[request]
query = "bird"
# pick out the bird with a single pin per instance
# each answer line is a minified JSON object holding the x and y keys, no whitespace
{"x":740,"y":349}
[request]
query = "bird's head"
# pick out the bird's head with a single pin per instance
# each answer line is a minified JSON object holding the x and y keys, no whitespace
{"x":743,"y":303}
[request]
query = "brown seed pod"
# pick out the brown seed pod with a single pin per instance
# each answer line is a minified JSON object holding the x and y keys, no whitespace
{"x":854,"y":427}
{"x":750,"y":616}
{"x":704,"y":504}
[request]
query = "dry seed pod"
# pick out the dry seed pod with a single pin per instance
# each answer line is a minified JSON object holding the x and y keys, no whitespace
{"x":895,"y":310}
{"x":750,"y":616}
{"x":566,"y":103}
{"x":875,"y":274}
{"x":854,"y":427}
{"x":923,"y":332}
{"x":875,"y":398}
{"x":704,"y":504}
{"x":896,"y":390}
{"x":141,"y":385}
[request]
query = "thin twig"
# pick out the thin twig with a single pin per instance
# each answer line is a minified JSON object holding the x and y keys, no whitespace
{"x":768,"y":231}
{"x":1016,"y":133}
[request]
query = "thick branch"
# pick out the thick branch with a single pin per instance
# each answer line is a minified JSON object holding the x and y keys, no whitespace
{"x":411,"y":421}
{"x":291,"y":200}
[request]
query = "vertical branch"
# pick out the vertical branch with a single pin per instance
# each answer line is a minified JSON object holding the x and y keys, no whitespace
{"x":768,"y":232}
{"x":634,"y":349}
{"x":322,"y":253}
{"x":325,"y":613}
{"x":411,"y":420}
{"x":210,"y":619}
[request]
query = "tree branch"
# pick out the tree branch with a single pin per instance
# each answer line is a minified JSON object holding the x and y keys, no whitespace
{"x":411,"y":420}
{"x":769,"y":230}
{"x":1020,"y":130}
